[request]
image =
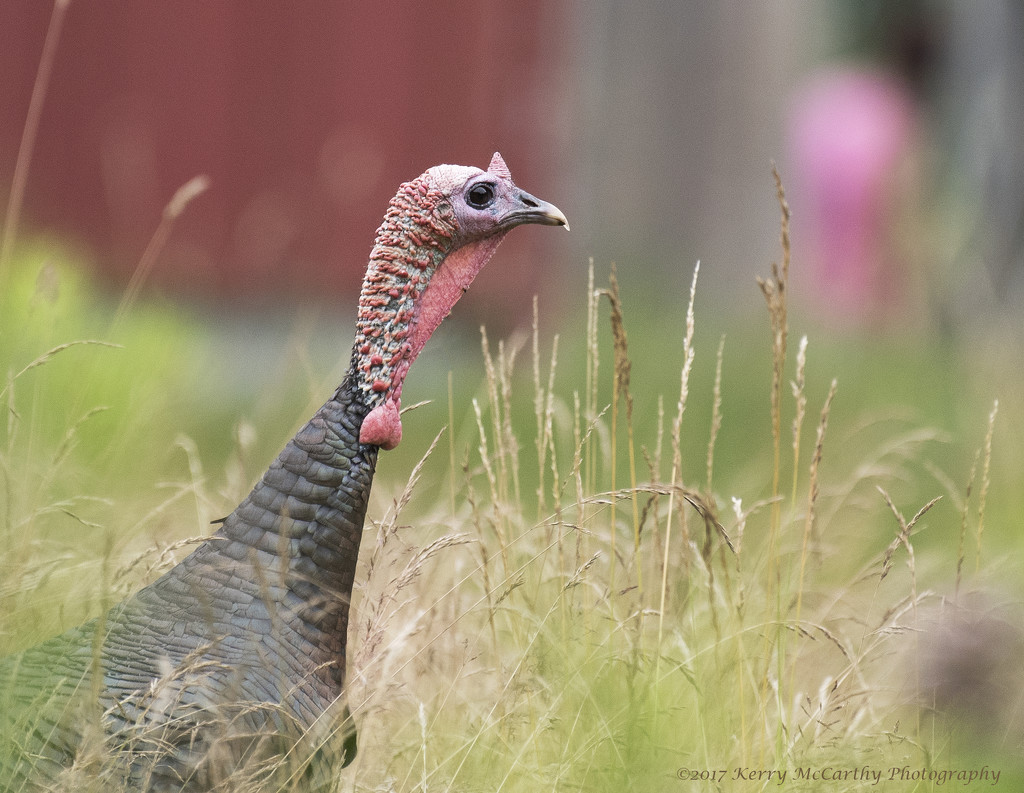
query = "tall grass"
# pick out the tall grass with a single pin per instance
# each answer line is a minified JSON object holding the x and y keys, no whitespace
{"x":778,"y":633}
{"x":559,"y":619}
{"x":586,"y":616}
{"x":501,"y":637}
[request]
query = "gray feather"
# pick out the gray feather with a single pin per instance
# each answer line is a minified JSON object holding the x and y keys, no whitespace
{"x":226,"y":673}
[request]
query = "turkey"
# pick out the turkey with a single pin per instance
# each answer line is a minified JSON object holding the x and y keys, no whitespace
{"x":227,"y":673}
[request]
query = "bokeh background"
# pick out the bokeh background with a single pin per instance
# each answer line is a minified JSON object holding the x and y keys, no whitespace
{"x":653,"y":125}
{"x":896,"y":129}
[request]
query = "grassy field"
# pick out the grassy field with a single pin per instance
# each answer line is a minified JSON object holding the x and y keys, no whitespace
{"x":667,"y":560}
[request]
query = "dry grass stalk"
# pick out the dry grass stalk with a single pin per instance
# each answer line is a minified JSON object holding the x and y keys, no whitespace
{"x":507,"y":360}
{"x":684,"y":386}
{"x":800,"y":400}
{"x":540,"y":442}
{"x":810,"y":521}
{"x":576,"y":474}
{"x":677,"y":464}
{"x":477,"y":520}
{"x":67,"y":443}
{"x":492,"y":481}
{"x":451,"y":447}
{"x":620,"y":387}
{"x":775,"y":291}
{"x":505,"y":464}
{"x":46,"y":356}
{"x":985,"y":480}
{"x":812,"y":501}
{"x":387,"y":531}
{"x":654,"y":473}
{"x":587,"y":475}
{"x":491,"y":721}
{"x":184,"y":195}
{"x":716,"y":413}
{"x":592,"y":382}
{"x":903,"y":538}
{"x":544,"y":412}
{"x":29,"y":134}
{"x":961,"y":552}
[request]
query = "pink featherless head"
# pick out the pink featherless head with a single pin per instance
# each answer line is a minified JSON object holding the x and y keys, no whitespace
{"x":498,"y":167}
{"x":440,"y":229}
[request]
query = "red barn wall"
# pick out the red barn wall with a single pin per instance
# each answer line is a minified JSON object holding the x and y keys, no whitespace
{"x":304,"y":115}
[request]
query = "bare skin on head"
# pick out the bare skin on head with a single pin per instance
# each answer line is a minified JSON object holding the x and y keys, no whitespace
{"x":461,"y":214}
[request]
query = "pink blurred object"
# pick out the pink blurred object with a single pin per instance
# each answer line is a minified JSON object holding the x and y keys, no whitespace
{"x":851,"y":133}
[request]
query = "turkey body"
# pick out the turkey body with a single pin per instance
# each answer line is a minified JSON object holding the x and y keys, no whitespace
{"x":228,"y":672}
{"x":225,"y":666}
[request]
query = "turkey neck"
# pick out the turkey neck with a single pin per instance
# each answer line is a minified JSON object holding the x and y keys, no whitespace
{"x":300,"y":527}
{"x":305,"y":517}
{"x":291,"y":546}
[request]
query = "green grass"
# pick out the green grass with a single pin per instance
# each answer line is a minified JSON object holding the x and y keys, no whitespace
{"x":572,"y":591}
{"x":621,"y":568}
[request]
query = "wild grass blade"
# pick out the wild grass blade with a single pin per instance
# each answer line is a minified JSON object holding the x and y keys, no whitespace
{"x":29,"y":135}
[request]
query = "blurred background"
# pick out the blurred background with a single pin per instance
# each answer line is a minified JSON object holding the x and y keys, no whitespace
{"x":895,"y":127}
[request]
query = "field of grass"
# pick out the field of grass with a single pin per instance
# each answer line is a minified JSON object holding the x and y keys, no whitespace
{"x":662,"y":550}
{"x":641,"y":556}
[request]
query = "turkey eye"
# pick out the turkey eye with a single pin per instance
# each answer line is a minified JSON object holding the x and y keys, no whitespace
{"x":480,"y":196}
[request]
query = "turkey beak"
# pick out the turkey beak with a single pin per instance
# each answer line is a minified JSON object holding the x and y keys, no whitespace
{"x":532,"y":210}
